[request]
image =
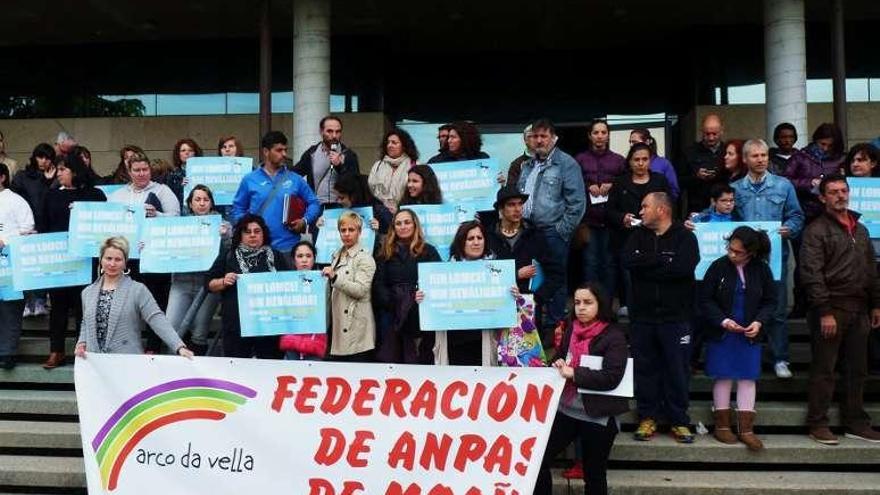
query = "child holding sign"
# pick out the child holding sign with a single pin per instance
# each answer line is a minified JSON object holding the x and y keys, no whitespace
{"x":311,"y":346}
{"x":737,"y":298}
{"x":591,"y":418}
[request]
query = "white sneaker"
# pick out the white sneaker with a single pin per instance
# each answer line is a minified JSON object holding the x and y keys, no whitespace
{"x":623,"y":312}
{"x":782,"y":370}
{"x":28,"y":312}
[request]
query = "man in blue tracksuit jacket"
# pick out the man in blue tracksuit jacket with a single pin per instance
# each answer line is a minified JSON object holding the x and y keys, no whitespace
{"x":255,"y":194}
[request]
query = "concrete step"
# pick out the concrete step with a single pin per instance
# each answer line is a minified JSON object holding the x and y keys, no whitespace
{"x":34,"y":471}
{"x":650,"y":482}
{"x":39,"y":346}
{"x":39,"y":435}
{"x":51,"y":402}
{"x":34,"y":373}
{"x":771,"y":413}
{"x":769,"y":384}
{"x":778,"y":449}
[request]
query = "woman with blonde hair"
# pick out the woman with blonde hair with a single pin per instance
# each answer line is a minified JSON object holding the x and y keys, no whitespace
{"x":394,"y":290}
{"x":350,"y":276}
{"x":115,"y":309}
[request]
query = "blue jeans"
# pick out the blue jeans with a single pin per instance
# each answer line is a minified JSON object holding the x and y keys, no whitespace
{"x":10,"y":326}
{"x":600,"y":265}
{"x":184,"y":287}
{"x":558,"y":249}
{"x":778,"y":328}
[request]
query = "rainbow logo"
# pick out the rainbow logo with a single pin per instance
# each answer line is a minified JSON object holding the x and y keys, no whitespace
{"x":162,"y":405}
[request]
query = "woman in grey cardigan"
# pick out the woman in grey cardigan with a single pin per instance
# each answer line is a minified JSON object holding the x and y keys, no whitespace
{"x":116,"y":308}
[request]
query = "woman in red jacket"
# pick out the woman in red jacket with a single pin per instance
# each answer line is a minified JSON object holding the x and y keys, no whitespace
{"x":309,"y":346}
{"x":591,"y":418}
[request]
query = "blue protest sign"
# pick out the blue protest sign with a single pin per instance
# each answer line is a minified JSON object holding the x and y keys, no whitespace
{"x":180,"y":244}
{"x":277,"y":303}
{"x":467,"y":295}
{"x":864,"y":197}
{"x":538,"y":279}
{"x":471,"y":182}
{"x":93,"y":222}
{"x":440,"y":222}
{"x":7,"y":293}
{"x":328,"y":241}
{"x":711,"y":238}
{"x":222,"y":175}
{"x":42,"y":261}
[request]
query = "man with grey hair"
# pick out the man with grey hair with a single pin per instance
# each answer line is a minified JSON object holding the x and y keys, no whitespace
{"x":64,"y":142}
{"x":764,"y":197}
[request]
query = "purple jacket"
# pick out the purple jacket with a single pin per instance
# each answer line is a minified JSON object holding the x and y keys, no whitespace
{"x":599,"y":168}
{"x":802,"y":168}
{"x":663,"y":166}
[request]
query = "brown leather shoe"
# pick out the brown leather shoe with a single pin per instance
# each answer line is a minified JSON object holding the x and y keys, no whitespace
{"x":722,"y":426}
{"x":55,"y":360}
{"x":746,"y":420}
{"x":823,"y":435}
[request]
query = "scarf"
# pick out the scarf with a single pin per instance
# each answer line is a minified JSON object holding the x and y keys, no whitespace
{"x":579,"y":345}
{"x":250,"y":258}
{"x":387,"y":179}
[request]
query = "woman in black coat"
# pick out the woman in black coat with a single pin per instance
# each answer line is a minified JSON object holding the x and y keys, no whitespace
{"x":737,"y":298}
{"x":625,"y":202}
{"x":75,"y":183}
{"x":394,"y":286}
{"x":591,"y":418}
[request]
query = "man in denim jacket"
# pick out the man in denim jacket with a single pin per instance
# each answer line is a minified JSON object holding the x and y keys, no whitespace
{"x":553,"y":181}
{"x":764,"y":197}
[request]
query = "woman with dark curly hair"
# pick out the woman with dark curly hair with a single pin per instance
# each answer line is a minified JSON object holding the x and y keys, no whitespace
{"x":388,"y":177}
{"x":184,"y":149}
{"x":464,"y":143}
{"x":422,"y":187}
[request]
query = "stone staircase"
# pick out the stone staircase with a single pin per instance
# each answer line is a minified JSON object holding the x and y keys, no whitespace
{"x":40,"y":448}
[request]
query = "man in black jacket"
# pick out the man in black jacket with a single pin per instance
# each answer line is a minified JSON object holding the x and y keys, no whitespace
{"x":661,"y":258}
{"x":704,"y":163}
{"x":323,"y":163}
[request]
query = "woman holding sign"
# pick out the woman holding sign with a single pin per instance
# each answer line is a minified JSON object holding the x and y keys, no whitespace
{"x":467,"y":347}
{"x":16,"y":219}
{"x":394,"y":291}
{"x":737,"y":298}
{"x":116,"y":309}
{"x":251,"y":252}
{"x":590,"y":417}
{"x":75,"y":184}
{"x":422,"y":187}
{"x":185,"y":287}
{"x":350,"y":274}
{"x":304,"y":346}
{"x":464,"y":143}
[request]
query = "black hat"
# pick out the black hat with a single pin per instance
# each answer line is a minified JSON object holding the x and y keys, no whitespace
{"x":508,"y":192}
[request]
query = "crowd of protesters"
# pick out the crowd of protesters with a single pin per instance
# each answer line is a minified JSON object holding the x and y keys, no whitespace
{"x":619,"y":215}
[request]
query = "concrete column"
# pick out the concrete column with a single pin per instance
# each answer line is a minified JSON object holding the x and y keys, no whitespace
{"x":311,"y":71}
{"x":265,"y":67}
{"x":785,"y":66}
{"x":838,"y":67}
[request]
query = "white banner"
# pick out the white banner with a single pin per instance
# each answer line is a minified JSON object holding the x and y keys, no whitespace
{"x":164,"y":424}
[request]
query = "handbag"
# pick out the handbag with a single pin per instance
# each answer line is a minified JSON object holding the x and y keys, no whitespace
{"x":520,"y":346}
